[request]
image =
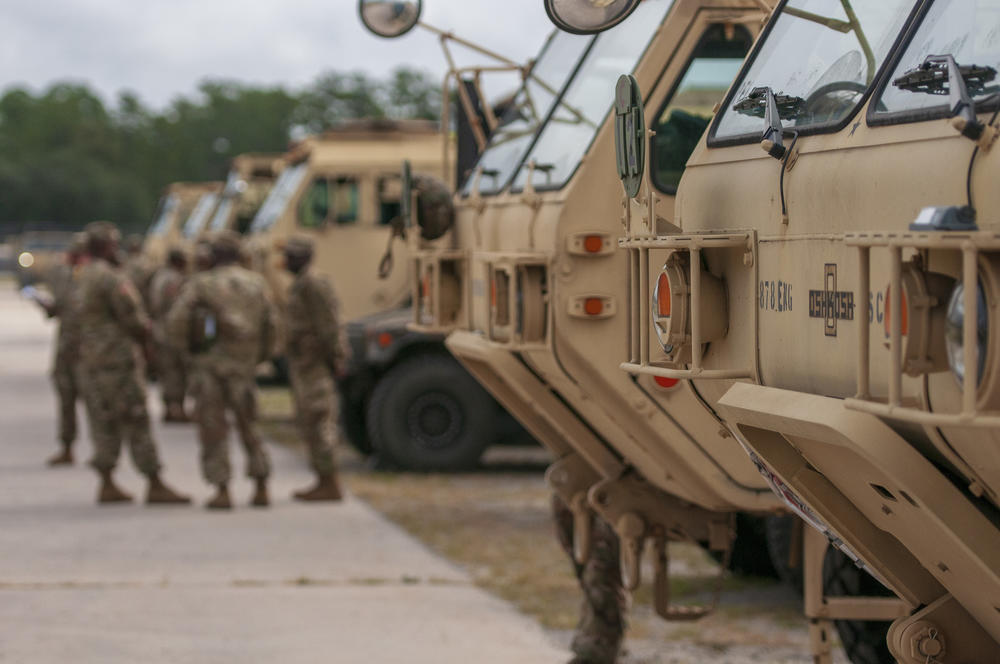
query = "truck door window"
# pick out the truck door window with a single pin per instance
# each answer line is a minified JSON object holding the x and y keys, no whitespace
{"x":820,"y":54}
{"x":687,"y":112}
{"x":314,"y":208}
{"x":389,"y":189}
{"x":345,"y":200}
{"x":967,"y":30}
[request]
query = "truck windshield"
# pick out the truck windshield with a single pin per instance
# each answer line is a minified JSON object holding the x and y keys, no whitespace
{"x":967,"y":30}
{"x":199,"y":215}
{"x":168,"y":206}
{"x":286,"y":186}
{"x":823,"y":55}
{"x":235,"y":185}
{"x":581,"y":111}
{"x":530,"y":107}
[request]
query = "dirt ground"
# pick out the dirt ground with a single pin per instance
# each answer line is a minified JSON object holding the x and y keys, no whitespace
{"x":496,"y":523}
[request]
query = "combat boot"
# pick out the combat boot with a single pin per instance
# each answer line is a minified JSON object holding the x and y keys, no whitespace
{"x":161,"y":494}
{"x":175,"y":413}
{"x":327,"y":488}
{"x":109,"y":492}
{"x":260,"y":497}
{"x":221,"y":500}
{"x":62,"y":458}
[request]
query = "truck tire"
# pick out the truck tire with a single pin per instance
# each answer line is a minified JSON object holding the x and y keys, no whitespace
{"x":750,"y":552}
{"x":781,"y":533}
{"x":428,"y":414}
{"x":863,"y":640}
{"x":352,"y":422}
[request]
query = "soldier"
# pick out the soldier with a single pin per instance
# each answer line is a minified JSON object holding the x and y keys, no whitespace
{"x":139,"y":268}
{"x":114,"y":329}
{"x":316,"y":352}
{"x":163,"y":291}
{"x":601,"y":627}
{"x":64,"y":365}
{"x":225,"y":321}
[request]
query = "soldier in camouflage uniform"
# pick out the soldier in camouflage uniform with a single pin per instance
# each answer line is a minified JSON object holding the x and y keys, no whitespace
{"x":316,"y":352}
{"x":601,"y":627}
{"x":225,"y":321}
{"x":64,"y":366}
{"x":139,"y":268}
{"x":114,"y":329}
{"x":163,"y":291}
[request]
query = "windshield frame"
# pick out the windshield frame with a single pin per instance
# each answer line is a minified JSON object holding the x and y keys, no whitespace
{"x":820,"y":128}
{"x":875,"y":119}
{"x":600,"y":125}
{"x":288,"y":173}
{"x":505,"y":185}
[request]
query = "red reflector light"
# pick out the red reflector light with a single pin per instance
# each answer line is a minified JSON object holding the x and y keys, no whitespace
{"x":593,"y":243}
{"x":425,"y":286}
{"x":384,"y":340}
{"x":663,"y":298}
{"x":493,"y":293}
{"x":594,"y":306}
{"x":665,"y":382}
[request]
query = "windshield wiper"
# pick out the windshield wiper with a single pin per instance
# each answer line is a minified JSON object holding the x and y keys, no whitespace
{"x":763,"y":103}
{"x":941,"y":75}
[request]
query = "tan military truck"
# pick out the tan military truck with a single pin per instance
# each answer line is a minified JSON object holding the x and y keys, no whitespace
{"x":342,"y":188}
{"x":852,"y":163}
{"x":251,"y":177}
{"x":536,"y":298}
{"x":174,"y":209}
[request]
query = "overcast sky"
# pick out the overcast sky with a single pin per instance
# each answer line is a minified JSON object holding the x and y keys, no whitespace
{"x":163,"y":48}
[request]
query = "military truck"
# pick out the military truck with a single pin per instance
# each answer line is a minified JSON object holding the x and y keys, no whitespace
{"x":844,"y":198}
{"x":535,"y":296}
{"x":251,"y":177}
{"x":174,"y":209}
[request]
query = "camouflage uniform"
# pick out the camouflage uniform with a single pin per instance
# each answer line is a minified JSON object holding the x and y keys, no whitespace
{"x":602,"y":614}
{"x":164,"y":289}
{"x":235,"y":302}
{"x":140,"y":271}
{"x":112,"y":320}
{"x":64,"y":365}
{"x":315,"y":351}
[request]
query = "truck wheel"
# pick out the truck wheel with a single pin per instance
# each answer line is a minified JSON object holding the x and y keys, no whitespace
{"x":352,"y":421}
{"x":750,"y":555}
{"x":784,"y":532}
{"x":428,"y":413}
{"x":863,"y":640}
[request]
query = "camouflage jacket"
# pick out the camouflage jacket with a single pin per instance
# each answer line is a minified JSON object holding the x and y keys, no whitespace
{"x":164,"y":289}
{"x":313,"y":325}
{"x":224,"y":319}
{"x":141,"y":270}
{"x":62,"y":280}
{"x":112,"y":319}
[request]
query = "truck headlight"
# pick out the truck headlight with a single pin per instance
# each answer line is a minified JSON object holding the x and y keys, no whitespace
{"x":26,"y":259}
{"x":954,"y":323}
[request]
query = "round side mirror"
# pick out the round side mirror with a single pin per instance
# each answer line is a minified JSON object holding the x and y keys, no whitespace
{"x":389,"y":18}
{"x":586,"y":17}
{"x":630,"y":134}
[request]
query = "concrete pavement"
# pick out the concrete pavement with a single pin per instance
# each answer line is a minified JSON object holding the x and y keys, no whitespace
{"x":294,"y":583}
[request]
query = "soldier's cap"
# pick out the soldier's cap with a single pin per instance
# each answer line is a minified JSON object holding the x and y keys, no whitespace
{"x":101,"y":232}
{"x":299,"y":245}
{"x":227,"y":241}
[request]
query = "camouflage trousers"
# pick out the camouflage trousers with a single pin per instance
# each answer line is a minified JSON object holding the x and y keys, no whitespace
{"x":601,"y":627}
{"x":316,"y":407}
{"x":214,"y":394}
{"x":66,"y":381}
{"x":171,"y":373}
{"x":116,"y":410}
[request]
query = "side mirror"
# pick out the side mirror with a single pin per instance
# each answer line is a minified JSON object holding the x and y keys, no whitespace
{"x":389,"y":18}
{"x":586,"y":17}
{"x":630,"y":134}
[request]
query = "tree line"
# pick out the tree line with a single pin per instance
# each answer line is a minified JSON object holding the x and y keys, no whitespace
{"x":67,"y":158}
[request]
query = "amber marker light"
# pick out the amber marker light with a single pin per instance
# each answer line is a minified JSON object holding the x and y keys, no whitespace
{"x":593,"y":244}
{"x":663,"y":296}
{"x":905,"y":315}
{"x":593,"y":306}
